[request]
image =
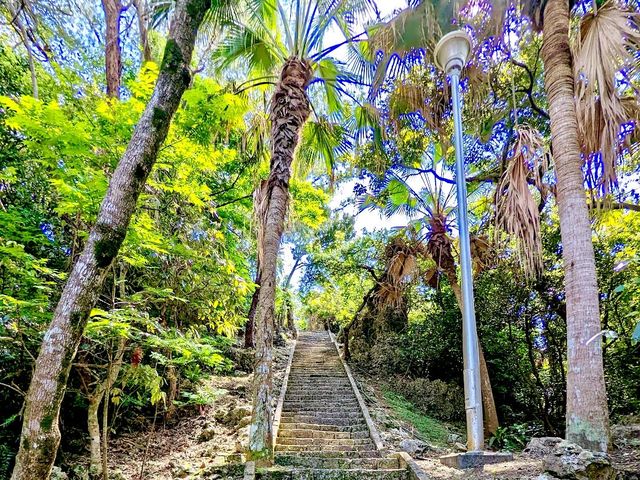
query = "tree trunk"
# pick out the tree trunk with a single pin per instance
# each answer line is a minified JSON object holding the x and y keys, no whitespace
{"x":112,"y":54}
{"x":490,"y":413}
{"x":289,"y":111}
{"x":587,"y":414}
{"x":93,"y":426}
{"x":249,"y":340}
{"x":40,"y":433}
{"x":95,"y":399}
{"x":142,"y":13}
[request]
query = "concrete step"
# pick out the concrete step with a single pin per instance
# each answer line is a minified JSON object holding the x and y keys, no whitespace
{"x":325,"y":442}
{"x":306,"y":433}
{"x":330,"y":453}
{"x":360,"y":427}
{"x":291,"y":473}
{"x":334,"y":462}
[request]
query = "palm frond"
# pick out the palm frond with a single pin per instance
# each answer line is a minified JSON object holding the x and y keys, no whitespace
{"x":607,"y":41}
{"x":516,"y":209}
{"x":249,"y":45}
{"x":322,"y":142}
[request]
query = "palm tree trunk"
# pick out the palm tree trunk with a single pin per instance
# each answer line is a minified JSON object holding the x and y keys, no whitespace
{"x":490,"y":413}
{"x":587,"y":414}
{"x":289,"y":111}
{"x":112,"y":54}
{"x":40,"y":433}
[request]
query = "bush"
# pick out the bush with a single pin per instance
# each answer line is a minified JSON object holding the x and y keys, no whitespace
{"x":441,"y":400}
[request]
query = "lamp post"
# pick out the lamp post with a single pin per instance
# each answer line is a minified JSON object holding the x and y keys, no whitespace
{"x":451,"y":54}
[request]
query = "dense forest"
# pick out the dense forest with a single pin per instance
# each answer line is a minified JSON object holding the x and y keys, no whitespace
{"x":185,"y":185}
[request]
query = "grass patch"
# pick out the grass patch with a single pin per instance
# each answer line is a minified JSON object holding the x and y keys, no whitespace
{"x":427,"y":428}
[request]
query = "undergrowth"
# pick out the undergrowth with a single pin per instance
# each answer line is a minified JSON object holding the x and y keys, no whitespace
{"x":427,"y":428}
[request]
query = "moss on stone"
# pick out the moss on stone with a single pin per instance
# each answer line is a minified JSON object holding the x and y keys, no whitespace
{"x":172,"y":58}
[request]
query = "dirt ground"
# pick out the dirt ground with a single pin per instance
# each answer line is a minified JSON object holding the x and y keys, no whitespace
{"x":195,"y":443}
{"x":523,"y":467}
{"x":217,"y":435}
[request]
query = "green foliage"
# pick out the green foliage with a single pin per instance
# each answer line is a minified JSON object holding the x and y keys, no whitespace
{"x":513,"y":437}
{"x":426,"y":427}
{"x":204,"y":395}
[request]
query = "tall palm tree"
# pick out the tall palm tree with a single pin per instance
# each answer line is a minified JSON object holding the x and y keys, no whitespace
{"x":587,"y":414}
{"x":432,"y":210}
{"x":283,"y":44}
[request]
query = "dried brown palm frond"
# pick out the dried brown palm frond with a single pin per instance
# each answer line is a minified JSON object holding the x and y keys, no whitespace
{"x":516,"y":209}
{"x":401,"y":258}
{"x":420,"y":94}
{"x":483,"y":254}
{"x":389,"y":295}
{"x":604,"y":45}
{"x":439,"y":244}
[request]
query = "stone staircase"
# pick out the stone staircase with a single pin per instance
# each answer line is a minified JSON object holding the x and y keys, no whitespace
{"x":322,"y":431}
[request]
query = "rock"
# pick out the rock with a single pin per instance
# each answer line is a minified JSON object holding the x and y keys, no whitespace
{"x":454,"y":438}
{"x":572,"y":462}
{"x":539,"y":447}
{"x":236,"y":414}
{"x":58,"y":474}
{"x":244,"y":422}
{"x":625,"y":435}
{"x":545,"y":476}
{"x":460,"y":447}
{"x":206,"y":435}
{"x":235,"y":458}
{"x":413,"y":447}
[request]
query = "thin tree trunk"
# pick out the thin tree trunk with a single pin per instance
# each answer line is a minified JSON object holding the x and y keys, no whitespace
{"x":19,"y":27}
{"x":249,"y":336}
{"x":40,"y":433}
{"x":289,"y":111}
{"x":93,"y":424}
{"x":490,"y":413}
{"x":143,"y":17}
{"x":587,"y":414}
{"x":112,"y":54}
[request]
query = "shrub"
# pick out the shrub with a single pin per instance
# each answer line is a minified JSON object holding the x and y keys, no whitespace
{"x":438,"y":399}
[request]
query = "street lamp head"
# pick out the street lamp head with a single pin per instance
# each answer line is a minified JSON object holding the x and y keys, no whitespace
{"x":452,"y":51}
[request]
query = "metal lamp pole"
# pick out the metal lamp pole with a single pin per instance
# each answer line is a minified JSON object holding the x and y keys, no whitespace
{"x":451,"y":54}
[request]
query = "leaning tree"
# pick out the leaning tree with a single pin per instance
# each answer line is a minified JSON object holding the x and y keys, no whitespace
{"x":40,"y":436}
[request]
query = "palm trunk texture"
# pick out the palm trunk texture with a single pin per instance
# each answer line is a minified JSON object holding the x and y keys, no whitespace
{"x":40,"y":436}
{"x":587,"y":414}
{"x":112,"y":55}
{"x":289,"y":111}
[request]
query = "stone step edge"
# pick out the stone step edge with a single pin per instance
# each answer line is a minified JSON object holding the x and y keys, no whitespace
{"x":373,"y":431}
{"x":283,"y":390}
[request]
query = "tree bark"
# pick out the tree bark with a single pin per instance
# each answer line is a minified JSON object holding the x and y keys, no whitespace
{"x":112,"y":53}
{"x":490,"y":413}
{"x":249,"y":340}
{"x":142,"y":13}
{"x":40,"y":432}
{"x":289,"y":111}
{"x":587,"y":413}
{"x":93,"y":426}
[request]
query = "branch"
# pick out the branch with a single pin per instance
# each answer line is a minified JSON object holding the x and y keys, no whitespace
{"x":609,"y":205}
{"x":234,"y":201}
{"x":529,"y":90}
